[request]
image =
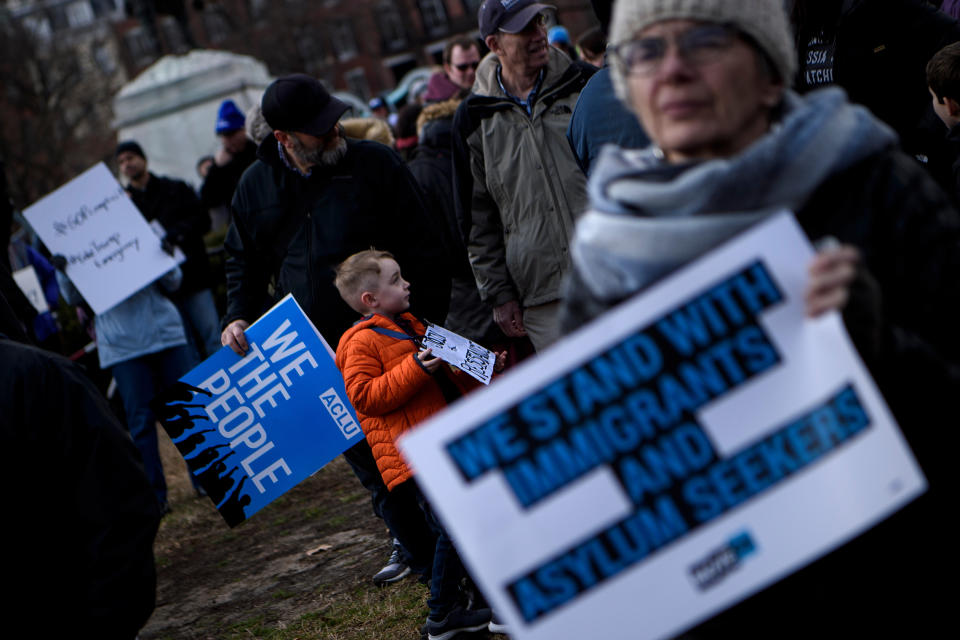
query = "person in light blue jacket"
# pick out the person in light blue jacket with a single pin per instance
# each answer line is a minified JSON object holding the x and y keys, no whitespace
{"x":143,"y":341}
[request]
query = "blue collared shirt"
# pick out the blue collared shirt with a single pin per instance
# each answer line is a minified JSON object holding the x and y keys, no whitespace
{"x":528,"y":103}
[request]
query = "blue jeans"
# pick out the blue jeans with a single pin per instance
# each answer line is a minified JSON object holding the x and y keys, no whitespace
{"x":201,"y":321}
{"x":139,"y":380}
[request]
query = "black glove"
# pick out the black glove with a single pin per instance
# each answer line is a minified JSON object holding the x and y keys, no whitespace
{"x":59,"y":262}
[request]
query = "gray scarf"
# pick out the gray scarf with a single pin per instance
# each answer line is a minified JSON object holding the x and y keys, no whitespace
{"x":648,"y":217}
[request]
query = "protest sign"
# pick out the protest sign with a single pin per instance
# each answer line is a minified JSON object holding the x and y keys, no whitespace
{"x":462,"y":353}
{"x":29,"y":283}
{"x":251,"y":428}
{"x":110,"y":249}
{"x":693,"y":445}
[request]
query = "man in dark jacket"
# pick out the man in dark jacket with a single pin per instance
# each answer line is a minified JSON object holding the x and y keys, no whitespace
{"x":174,"y":205}
{"x":82,"y":518}
{"x":312,"y":199}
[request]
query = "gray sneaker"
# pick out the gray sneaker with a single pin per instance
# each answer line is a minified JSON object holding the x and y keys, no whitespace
{"x":394,"y":569}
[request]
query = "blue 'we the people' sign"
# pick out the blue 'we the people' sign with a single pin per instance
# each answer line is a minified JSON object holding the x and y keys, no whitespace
{"x":252,"y":428}
{"x":688,"y":448}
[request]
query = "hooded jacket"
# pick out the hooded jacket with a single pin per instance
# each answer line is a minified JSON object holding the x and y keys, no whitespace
{"x":389,"y":388}
{"x":518,"y":186}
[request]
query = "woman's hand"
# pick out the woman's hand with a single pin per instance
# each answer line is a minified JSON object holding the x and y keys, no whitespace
{"x":832,"y":273}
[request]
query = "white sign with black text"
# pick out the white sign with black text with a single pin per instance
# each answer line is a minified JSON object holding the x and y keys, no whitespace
{"x":460,"y":352}
{"x":110,"y":249}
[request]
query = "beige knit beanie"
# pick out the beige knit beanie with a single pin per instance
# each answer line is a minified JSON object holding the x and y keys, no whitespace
{"x":763,"y":20}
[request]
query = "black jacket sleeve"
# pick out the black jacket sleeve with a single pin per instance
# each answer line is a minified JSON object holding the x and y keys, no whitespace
{"x":415,"y":238}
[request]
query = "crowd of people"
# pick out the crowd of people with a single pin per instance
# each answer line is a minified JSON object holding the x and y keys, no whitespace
{"x":534,"y":182}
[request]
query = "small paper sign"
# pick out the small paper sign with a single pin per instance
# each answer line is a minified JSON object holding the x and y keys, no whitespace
{"x":460,"y":352}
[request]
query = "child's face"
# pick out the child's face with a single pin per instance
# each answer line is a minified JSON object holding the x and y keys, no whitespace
{"x":393,"y":292}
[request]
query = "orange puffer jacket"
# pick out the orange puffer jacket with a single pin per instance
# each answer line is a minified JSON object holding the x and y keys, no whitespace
{"x":389,"y":388}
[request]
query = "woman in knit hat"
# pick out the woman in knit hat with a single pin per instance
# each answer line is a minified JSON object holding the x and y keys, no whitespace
{"x":709,"y":81}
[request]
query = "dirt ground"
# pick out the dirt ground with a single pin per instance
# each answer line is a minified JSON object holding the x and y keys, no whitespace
{"x":311,"y":551}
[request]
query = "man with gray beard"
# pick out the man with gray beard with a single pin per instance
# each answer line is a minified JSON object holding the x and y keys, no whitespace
{"x":311,"y":199}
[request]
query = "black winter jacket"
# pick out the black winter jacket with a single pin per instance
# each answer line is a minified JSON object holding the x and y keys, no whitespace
{"x":295,"y":231}
{"x":432,"y":166}
{"x":174,"y":204}
{"x":221,"y":182}
{"x":80,"y":516}
{"x":882,"y":49}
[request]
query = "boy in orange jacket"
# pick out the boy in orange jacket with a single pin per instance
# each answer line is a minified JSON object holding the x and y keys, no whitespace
{"x":393,"y":385}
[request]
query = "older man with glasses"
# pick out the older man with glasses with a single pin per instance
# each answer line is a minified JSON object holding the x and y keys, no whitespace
{"x":518,"y":185}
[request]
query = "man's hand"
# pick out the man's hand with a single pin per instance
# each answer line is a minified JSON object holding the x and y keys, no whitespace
{"x":501,"y":362}
{"x":59,"y":262}
{"x":429,"y":361}
{"x":233,"y":337}
{"x":509,"y":318}
{"x":831,"y":273}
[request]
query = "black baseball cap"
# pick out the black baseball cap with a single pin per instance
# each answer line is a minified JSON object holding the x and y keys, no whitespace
{"x":509,"y":16}
{"x":300,"y":103}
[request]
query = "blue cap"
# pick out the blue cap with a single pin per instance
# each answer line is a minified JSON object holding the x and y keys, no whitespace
{"x":229,"y":118}
{"x":557,"y":34}
{"x":377,"y":103}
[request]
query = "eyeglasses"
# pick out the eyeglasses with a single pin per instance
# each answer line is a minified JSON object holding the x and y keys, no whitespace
{"x":466,"y":65}
{"x":698,"y":46}
{"x":537,"y":22}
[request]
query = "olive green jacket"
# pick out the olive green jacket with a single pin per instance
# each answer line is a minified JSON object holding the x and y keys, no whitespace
{"x":518,"y":186}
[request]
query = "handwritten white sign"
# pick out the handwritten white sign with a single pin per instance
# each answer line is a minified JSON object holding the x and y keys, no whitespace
{"x":462,"y":353}
{"x":29,"y":283}
{"x":688,"y":448}
{"x":110,"y":249}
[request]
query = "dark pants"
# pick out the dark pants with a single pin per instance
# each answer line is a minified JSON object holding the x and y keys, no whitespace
{"x":398,"y":508}
{"x":448,"y":570}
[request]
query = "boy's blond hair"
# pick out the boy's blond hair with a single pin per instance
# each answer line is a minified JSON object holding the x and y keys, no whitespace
{"x":359,"y":273}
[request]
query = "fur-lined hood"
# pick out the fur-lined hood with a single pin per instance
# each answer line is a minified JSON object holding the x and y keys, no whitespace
{"x":437,"y":111}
